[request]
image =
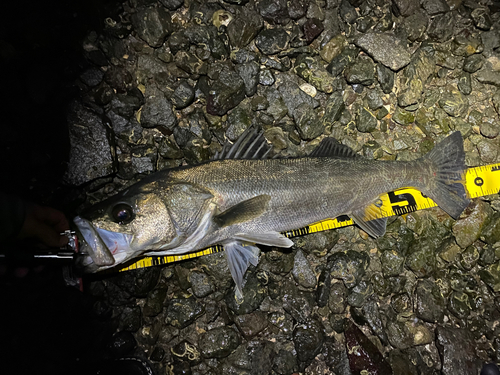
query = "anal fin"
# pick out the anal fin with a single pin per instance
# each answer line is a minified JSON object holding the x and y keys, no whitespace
{"x":374,"y":228}
{"x":239,"y":257}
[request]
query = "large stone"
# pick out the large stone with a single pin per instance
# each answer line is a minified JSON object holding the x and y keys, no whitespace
{"x":468,"y":229}
{"x":457,"y":349}
{"x":226,"y":93}
{"x":92,"y":158}
{"x":153,"y":24}
{"x":385,"y":48}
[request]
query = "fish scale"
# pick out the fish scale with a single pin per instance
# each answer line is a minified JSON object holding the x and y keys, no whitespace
{"x":240,"y":203}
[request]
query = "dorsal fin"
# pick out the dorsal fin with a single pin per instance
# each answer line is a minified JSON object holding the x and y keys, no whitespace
{"x":249,"y":145}
{"x":330,"y":147}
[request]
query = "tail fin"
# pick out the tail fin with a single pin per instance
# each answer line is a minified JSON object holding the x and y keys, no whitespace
{"x":448,"y":160}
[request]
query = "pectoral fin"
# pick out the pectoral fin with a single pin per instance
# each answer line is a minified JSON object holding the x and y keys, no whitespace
{"x":239,"y":257}
{"x":243,"y":211}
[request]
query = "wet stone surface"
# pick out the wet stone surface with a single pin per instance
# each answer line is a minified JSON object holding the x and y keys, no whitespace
{"x":165,"y":83}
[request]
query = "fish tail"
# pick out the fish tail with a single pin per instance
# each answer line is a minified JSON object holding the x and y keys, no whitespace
{"x":447,"y":162}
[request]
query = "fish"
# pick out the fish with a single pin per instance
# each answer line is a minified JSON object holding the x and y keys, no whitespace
{"x":243,"y":198}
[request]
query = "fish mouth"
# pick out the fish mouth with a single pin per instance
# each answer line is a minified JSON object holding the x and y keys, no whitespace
{"x":104,"y":247}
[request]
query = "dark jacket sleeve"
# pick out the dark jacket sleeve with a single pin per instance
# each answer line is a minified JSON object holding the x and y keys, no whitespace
{"x":12,"y":214}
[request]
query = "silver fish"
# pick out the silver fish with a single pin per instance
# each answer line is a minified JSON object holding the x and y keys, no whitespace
{"x":242,"y":199}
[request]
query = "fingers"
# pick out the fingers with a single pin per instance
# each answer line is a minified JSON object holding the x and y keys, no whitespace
{"x":45,"y":224}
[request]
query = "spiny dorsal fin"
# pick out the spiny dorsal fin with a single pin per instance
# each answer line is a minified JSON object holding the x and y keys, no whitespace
{"x":243,"y":211}
{"x":330,"y":147}
{"x":249,"y":145}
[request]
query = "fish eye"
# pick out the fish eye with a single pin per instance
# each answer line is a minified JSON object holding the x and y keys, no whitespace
{"x":122,"y":213}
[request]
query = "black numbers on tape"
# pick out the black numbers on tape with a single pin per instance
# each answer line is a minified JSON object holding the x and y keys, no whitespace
{"x":406,"y":197}
{"x":479,"y":181}
{"x":342,"y":218}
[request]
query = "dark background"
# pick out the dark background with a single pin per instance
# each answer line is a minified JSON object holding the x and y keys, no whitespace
{"x":46,"y":327}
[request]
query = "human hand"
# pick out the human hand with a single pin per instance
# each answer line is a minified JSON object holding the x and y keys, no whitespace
{"x":44,"y":224}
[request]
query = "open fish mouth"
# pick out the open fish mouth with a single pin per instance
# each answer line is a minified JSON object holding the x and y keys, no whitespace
{"x":106,"y":248}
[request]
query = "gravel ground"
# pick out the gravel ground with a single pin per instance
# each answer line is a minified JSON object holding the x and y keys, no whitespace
{"x":165,"y":83}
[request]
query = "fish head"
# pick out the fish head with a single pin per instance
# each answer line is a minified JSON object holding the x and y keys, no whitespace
{"x":144,"y":217}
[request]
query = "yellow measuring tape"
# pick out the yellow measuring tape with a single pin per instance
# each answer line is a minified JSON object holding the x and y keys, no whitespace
{"x":479,"y":181}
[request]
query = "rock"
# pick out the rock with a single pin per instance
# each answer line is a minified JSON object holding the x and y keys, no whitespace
{"x":464,"y":83}
{"x":363,"y":354}
{"x":341,"y":61}
{"x":312,"y":28}
{"x":154,"y":302}
{"x":403,"y":117}
{"x":433,"y":7}
{"x":130,"y":319}
{"x":226,"y":93}
{"x":385,"y":77}
{"x":430,"y":303}
{"x":405,"y":7}
{"x":254,"y":293}
{"x":266,"y":77}
{"x":190,"y":63}
{"x":366,"y":122}
{"x":454,"y":103}
{"x":333,"y":48}
{"x":349,"y":266}
{"x":473,"y":63}
{"x":152,"y":24}
{"x":489,"y":130}
{"x":92,"y":77}
{"x":385,"y":48}
{"x":251,"y":324}
{"x":181,"y":312}
{"x":274,"y":12}
{"x":359,"y":293}
{"x":244,"y":27}
{"x":481,"y":18}
{"x":157,"y":110}
{"x":468,"y":229}
{"x":183,"y":95}
{"x":219,"y":342}
{"x":252,"y":358}
{"x":295,"y":302}
{"x":93,"y":158}
{"x":272,"y":41}
{"x":308,"y":340}
{"x":302,"y":271}
{"x":172,"y":4}
{"x":292,"y":96}
{"x":313,"y":72}
{"x":457,"y":349}
{"x":285,"y":362}
{"x":333,"y":109}
{"x":490,"y":72}
{"x":362,"y":71}
{"x":347,"y":12}
{"x":392,"y":263}
{"x":441,"y":27}
{"x":307,"y":121}
{"x":200,"y":284}
{"x":415,"y":26}
{"x":249,"y":73}
{"x":491,"y":276}
{"x":488,"y":150}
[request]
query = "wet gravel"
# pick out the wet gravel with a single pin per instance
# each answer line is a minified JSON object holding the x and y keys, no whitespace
{"x":165,"y":83}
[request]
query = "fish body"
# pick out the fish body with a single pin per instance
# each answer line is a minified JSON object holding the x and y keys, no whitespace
{"x":241,"y":199}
